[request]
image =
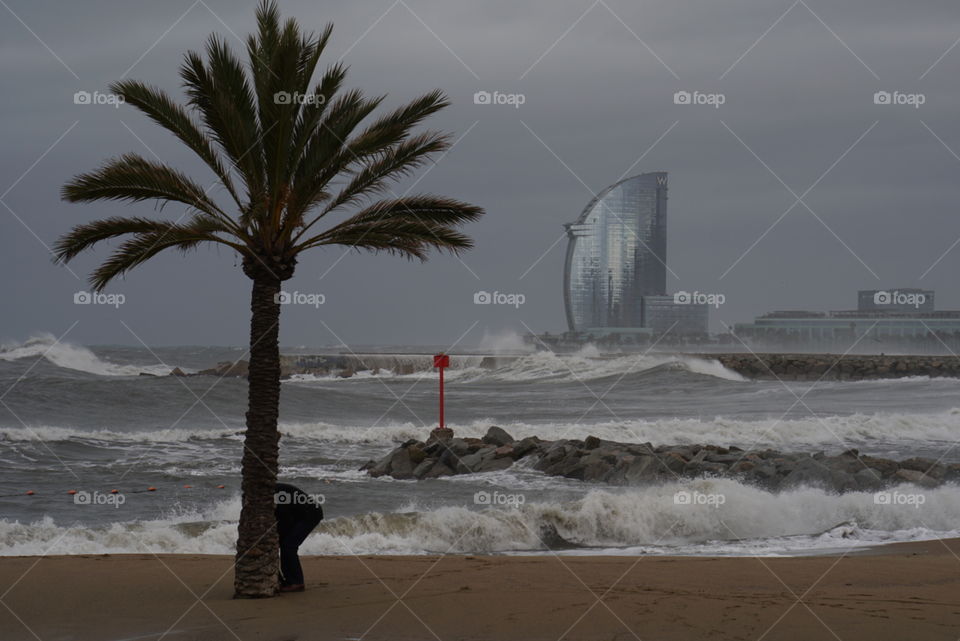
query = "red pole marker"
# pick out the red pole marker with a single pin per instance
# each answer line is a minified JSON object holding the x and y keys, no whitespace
{"x":441,"y":361}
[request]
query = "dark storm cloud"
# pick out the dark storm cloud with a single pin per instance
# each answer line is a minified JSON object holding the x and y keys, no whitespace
{"x":798,"y":108}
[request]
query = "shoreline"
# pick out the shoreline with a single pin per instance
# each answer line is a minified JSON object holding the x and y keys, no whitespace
{"x":902,"y":590}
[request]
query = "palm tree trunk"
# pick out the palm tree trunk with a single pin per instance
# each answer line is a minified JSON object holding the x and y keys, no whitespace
{"x":257,"y":545}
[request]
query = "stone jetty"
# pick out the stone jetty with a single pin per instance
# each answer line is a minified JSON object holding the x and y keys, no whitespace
{"x":598,"y":460}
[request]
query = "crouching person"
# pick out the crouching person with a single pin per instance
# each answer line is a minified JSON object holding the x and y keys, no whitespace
{"x":297,"y":514}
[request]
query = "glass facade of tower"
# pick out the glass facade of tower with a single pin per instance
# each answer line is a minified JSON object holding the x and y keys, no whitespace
{"x":617,"y":254}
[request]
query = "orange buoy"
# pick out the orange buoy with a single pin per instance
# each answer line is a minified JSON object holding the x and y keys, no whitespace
{"x":188,"y":486}
{"x":29,"y":492}
{"x":151,"y":489}
{"x":220,"y":487}
{"x":114,"y":491}
{"x":71,"y":491}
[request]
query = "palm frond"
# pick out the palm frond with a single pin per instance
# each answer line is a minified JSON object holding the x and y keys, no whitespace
{"x":418,"y":223}
{"x":374,"y":178}
{"x":85,"y":236}
{"x":225,"y":106}
{"x":160,"y":108}
{"x":327,"y":153}
{"x":414,"y":239}
{"x":147,"y":244}
{"x":133,"y":178}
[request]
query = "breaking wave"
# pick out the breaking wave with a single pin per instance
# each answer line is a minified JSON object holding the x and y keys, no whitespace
{"x":647,"y":520}
{"x":74,"y":357}
{"x":863,"y":429}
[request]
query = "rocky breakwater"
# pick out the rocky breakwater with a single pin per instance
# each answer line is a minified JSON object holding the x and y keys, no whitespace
{"x":836,"y":367}
{"x":595,"y":459}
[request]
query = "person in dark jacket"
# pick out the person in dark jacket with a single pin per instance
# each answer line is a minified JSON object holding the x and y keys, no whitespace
{"x":297,"y":514}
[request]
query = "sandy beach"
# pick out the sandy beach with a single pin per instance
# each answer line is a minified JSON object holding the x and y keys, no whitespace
{"x":895,"y":592}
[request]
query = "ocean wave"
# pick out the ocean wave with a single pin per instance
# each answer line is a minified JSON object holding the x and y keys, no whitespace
{"x":74,"y":357}
{"x":769,"y":432}
{"x":787,"y":433}
{"x":543,"y":366}
{"x":748,"y":521}
{"x":584,"y":366}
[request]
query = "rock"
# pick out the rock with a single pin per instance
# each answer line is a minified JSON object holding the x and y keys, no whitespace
{"x":643,"y":468}
{"x":401,"y":467}
{"x":439,"y":469}
{"x":885,"y":467}
{"x":384,"y":465}
{"x":421,"y":470}
{"x":416,"y":454}
{"x":176,"y":371}
{"x":470,"y":463}
{"x":591,"y":443}
{"x":724,"y":458}
{"x":524,"y":447}
{"x":742,"y":467}
{"x":674,"y":462}
{"x":503,"y":450}
{"x":458,"y":446}
{"x":869,"y":479}
{"x":497,"y":436}
{"x":704,"y":469}
{"x":914,"y":476}
{"x":919,"y":464}
{"x":440,"y":434}
{"x":809,"y":472}
{"x":493,"y":464}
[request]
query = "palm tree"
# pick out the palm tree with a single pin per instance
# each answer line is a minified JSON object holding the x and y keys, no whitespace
{"x":287,"y":156}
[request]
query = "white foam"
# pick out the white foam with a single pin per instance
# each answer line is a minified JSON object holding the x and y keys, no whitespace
{"x":588,"y":365}
{"x":795,"y":433}
{"x":75,"y":357}
{"x":749,"y":521}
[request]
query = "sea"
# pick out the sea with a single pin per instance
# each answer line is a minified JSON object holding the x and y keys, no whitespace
{"x":87,"y":431}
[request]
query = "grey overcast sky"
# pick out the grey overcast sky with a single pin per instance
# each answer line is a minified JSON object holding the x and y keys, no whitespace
{"x":878,"y":183}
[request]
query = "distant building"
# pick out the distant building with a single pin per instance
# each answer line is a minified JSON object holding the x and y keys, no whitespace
{"x":617,"y":255}
{"x":894,"y":316}
{"x":668,"y":314}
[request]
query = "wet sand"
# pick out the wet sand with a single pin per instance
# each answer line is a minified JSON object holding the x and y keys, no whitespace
{"x":904,"y":591}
